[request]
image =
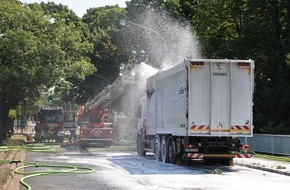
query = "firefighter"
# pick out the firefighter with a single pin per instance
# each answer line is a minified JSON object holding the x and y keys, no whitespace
{"x":37,"y":130}
{"x":46,"y":132}
{"x":72,"y":135}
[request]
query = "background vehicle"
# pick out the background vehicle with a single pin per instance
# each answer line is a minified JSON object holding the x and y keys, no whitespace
{"x":95,"y":127}
{"x":49,"y":124}
{"x":196,"y":110}
{"x":119,"y":99}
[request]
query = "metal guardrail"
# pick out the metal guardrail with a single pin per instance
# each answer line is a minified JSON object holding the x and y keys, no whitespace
{"x":271,"y":144}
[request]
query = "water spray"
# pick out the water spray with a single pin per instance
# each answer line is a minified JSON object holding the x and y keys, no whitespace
{"x":167,"y":41}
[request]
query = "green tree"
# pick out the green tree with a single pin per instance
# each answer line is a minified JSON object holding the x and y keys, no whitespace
{"x":108,"y":52}
{"x":38,"y":51}
{"x":257,"y":30}
{"x":72,"y":37}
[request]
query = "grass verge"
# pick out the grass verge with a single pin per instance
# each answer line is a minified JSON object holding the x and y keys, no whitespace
{"x":272,"y":157}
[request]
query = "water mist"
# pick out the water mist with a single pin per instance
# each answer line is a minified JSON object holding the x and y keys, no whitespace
{"x":166,"y":43}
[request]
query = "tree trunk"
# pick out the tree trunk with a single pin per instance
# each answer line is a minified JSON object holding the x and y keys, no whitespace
{"x":2,"y":134}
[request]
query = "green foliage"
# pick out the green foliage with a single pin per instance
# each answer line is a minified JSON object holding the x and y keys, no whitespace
{"x":37,"y":51}
{"x":104,"y":17}
{"x":72,"y":38}
{"x":135,"y":7}
{"x":108,"y":53}
{"x":280,"y":167}
{"x":271,"y":157}
{"x":272,"y":128}
{"x":12,"y":114}
{"x":216,"y":171}
{"x":41,"y":46}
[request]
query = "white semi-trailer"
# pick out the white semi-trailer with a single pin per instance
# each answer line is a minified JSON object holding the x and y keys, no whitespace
{"x":197,"y":110}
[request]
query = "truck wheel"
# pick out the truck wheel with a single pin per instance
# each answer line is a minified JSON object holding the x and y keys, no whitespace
{"x":157,"y":147}
{"x":171,"y":150}
{"x":227,"y":161}
{"x":140,"y":146}
{"x":231,"y":162}
{"x":164,"y":152}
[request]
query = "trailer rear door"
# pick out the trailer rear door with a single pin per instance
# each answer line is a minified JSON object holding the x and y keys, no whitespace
{"x":220,"y":98}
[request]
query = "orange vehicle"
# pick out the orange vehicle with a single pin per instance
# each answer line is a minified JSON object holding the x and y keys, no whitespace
{"x":95,"y":127}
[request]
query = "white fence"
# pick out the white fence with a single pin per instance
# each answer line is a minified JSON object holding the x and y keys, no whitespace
{"x":271,"y":144}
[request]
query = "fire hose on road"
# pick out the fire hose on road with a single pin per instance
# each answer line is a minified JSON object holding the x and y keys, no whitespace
{"x":46,"y":169}
{"x":59,"y":169}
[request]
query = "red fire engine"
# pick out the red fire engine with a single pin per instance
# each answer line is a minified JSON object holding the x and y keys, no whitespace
{"x":95,"y":127}
{"x":95,"y":120}
{"x":49,"y":124}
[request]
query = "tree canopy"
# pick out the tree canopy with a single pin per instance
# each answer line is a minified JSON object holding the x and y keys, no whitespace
{"x":39,"y":49}
{"x":103,"y":23}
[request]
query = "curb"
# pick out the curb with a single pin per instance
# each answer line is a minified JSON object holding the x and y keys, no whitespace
{"x":13,"y":182}
{"x":263,"y":168}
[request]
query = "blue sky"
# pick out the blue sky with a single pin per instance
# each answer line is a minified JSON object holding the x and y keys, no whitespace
{"x":80,"y":6}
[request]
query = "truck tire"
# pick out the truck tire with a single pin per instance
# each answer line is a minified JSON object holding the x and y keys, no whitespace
{"x":164,"y":150}
{"x":171,"y":150}
{"x":227,"y":161}
{"x":231,"y":162}
{"x":140,"y":146}
{"x":157,"y":148}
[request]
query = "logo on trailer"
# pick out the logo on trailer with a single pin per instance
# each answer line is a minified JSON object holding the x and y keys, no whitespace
{"x":219,"y":65}
{"x":182,"y":90}
{"x":220,"y":125}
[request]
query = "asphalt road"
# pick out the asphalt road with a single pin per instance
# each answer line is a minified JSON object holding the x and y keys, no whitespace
{"x":125,"y":170}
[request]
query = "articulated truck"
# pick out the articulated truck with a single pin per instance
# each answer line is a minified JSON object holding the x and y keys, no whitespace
{"x":198,"y":109}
